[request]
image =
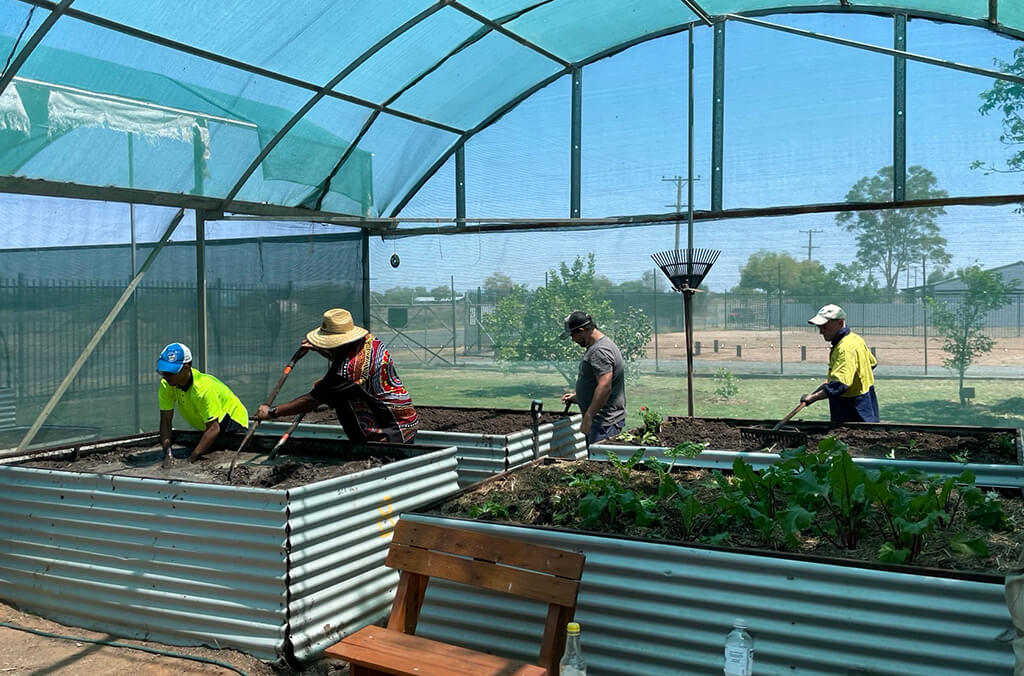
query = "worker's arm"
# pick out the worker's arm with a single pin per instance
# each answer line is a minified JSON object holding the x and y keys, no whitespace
{"x":302,"y":404}
{"x":817,"y":395}
{"x":601,"y":394}
{"x":166,"y":418}
{"x":205,"y":441}
{"x":569,"y":398}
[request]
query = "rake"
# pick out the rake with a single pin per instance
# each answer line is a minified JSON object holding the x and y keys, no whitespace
{"x":790,"y":437}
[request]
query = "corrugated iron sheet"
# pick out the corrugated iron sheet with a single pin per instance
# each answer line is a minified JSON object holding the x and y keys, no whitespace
{"x":340,"y":531}
{"x":191,"y":564}
{"x":480,"y":455}
{"x":183,"y":564}
{"x":8,"y":415}
{"x":660,"y":609}
{"x":1001,"y":476}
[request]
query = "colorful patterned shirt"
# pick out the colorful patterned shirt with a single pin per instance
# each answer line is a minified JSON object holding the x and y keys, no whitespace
{"x":365,"y":391}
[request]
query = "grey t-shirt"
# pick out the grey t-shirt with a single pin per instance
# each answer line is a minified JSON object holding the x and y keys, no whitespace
{"x":600,"y":358}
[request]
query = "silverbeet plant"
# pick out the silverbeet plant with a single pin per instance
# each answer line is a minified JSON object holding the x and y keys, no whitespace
{"x":807,"y":493}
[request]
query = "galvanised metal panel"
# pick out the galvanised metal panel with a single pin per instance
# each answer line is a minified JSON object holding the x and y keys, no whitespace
{"x":8,"y":415}
{"x":479,"y":455}
{"x":179,"y":563}
{"x":662,"y":609}
{"x":1001,"y":476}
{"x":340,"y":531}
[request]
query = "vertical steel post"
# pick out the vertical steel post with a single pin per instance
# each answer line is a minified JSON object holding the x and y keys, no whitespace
{"x":576,"y":134}
{"x":924,"y":306}
{"x":200,"y":356}
{"x":365,"y":242}
{"x":460,"y":185}
{"x":134,"y":364}
{"x":717,"y":116}
{"x":899,"y":111}
{"x":455,"y":339}
{"x":654,"y":303}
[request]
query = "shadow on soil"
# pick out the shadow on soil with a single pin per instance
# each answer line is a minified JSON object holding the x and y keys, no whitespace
{"x":942,"y":412}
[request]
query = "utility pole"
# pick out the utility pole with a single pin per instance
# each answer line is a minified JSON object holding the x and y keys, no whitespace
{"x":810,"y":234}
{"x":678,"y":206}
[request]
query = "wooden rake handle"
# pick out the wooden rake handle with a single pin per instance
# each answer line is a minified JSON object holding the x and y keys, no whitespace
{"x":299,"y":354}
{"x":789,"y":415}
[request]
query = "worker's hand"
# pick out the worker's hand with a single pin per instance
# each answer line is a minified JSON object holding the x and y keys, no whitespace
{"x":319,"y":350}
{"x":168,"y":457}
{"x":263,"y":412}
{"x":586,"y":424}
{"x":193,"y":456}
{"x":808,"y":398}
{"x":569,"y":398}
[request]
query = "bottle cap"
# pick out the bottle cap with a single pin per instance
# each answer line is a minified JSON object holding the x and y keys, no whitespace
{"x":573,"y":628}
{"x":739,"y":623}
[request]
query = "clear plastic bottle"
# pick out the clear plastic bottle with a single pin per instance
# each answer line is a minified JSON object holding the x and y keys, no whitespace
{"x":572,"y":662}
{"x":739,"y":651}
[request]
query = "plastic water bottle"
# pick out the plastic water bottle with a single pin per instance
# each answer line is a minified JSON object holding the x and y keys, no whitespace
{"x":572,"y":662}
{"x":739,"y":651}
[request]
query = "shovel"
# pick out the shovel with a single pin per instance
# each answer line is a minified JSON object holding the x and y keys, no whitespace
{"x":776,"y":435}
{"x":299,"y":354}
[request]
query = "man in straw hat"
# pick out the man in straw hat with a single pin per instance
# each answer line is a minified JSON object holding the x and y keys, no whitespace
{"x":203,"y":401}
{"x":850,"y":388}
{"x":361,"y":384}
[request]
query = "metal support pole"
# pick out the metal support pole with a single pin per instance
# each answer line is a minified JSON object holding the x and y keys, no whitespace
{"x":134,"y":369}
{"x":576,"y":134}
{"x":455,"y":338}
{"x":460,"y":182}
{"x":687,"y":315}
{"x":96,"y":338}
{"x":654,"y":304}
{"x":899,"y":111}
{"x":201,"y":354}
{"x":925,"y":310}
{"x":366,"y":280}
{"x":717,"y":116}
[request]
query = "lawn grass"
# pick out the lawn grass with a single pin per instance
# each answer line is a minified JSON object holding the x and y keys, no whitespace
{"x":999,"y":402}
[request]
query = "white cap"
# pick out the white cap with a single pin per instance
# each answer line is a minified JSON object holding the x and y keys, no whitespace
{"x":826,"y":313}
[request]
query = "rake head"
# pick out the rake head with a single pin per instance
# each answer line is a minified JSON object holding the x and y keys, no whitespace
{"x":767,"y":436}
{"x":686,"y":269}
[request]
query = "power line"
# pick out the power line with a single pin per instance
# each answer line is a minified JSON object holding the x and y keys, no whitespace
{"x":810,"y":234}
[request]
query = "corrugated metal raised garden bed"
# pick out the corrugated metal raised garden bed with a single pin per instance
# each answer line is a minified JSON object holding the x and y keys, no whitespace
{"x":489,"y":440}
{"x":280,"y":562}
{"x":673,"y":557}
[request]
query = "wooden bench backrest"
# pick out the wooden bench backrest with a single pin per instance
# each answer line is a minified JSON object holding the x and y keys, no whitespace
{"x":544,"y":574}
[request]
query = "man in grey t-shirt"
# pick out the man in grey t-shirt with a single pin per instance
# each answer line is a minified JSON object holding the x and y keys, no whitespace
{"x":600,"y":382}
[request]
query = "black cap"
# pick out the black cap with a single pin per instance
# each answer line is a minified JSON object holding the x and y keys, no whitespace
{"x":576,"y":320}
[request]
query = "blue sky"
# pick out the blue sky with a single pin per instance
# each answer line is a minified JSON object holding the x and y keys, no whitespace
{"x":805,"y":119}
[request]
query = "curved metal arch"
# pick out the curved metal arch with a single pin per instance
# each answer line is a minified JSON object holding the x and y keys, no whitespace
{"x":18,"y":61}
{"x":988,"y":24}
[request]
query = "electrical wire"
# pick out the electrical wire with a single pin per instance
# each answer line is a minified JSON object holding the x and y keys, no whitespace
{"x":117,"y":644}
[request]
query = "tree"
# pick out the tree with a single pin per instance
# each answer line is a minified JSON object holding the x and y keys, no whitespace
{"x":498,"y":283}
{"x":962,"y":323}
{"x":525,"y":324}
{"x":890,"y":240}
{"x":1008,"y":98}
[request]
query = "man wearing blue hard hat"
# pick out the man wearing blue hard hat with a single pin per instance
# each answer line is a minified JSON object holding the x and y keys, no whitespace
{"x":203,"y":401}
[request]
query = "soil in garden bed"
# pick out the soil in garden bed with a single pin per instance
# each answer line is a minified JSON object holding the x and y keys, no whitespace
{"x":472,"y":420}
{"x":981,"y":447}
{"x":250,"y":470}
{"x":541,"y":495}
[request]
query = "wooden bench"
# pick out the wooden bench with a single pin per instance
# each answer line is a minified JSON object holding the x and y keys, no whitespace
{"x":421,"y":551}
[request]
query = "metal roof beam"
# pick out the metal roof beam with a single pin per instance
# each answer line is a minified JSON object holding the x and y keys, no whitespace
{"x":18,"y":61}
{"x":494,"y":25}
{"x":695,"y":7}
{"x":242,"y":65}
{"x":942,"y":63}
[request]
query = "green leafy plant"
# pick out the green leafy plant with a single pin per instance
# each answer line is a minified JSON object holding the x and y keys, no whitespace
{"x":726,"y":385}
{"x":625,"y":467}
{"x":489,"y":510}
{"x":652,"y":420}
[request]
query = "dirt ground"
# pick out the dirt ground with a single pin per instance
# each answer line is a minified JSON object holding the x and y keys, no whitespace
{"x":451,"y":419}
{"x":27,"y":654}
{"x":762,"y":346}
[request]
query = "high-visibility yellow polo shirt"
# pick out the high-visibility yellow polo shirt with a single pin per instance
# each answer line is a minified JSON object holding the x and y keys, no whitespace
{"x":205,"y":400}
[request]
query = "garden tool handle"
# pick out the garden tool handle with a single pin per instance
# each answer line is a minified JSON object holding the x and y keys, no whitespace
{"x":789,"y":415}
{"x":299,"y":354}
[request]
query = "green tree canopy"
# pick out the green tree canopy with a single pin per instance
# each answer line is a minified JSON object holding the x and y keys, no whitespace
{"x":525,"y":325}
{"x":1008,"y":98}
{"x":498,"y":282}
{"x":961,"y":322}
{"x":891,"y":240}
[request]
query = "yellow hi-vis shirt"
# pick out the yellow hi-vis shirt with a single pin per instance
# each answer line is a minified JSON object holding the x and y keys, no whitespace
{"x":851,"y":363}
{"x":207,"y":399}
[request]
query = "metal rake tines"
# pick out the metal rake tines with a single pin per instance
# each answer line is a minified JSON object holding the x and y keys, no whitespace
{"x":686,"y":268}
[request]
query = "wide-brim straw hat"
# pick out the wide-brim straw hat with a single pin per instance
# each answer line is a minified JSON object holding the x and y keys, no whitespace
{"x":337,"y":328}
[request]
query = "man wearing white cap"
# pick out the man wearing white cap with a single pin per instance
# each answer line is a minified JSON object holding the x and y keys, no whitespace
{"x":850,"y":388}
{"x":203,"y":401}
{"x":361,"y":384}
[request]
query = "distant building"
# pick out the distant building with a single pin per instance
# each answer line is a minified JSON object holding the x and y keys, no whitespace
{"x":1012,"y":274}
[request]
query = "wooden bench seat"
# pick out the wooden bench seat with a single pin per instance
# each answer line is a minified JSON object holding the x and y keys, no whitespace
{"x":421,"y":551}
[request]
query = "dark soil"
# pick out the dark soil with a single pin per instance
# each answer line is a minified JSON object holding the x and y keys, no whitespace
{"x":281,"y":473}
{"x":994,"y":447}
{"x":541,"y":495}
{"x":473,"y":420}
